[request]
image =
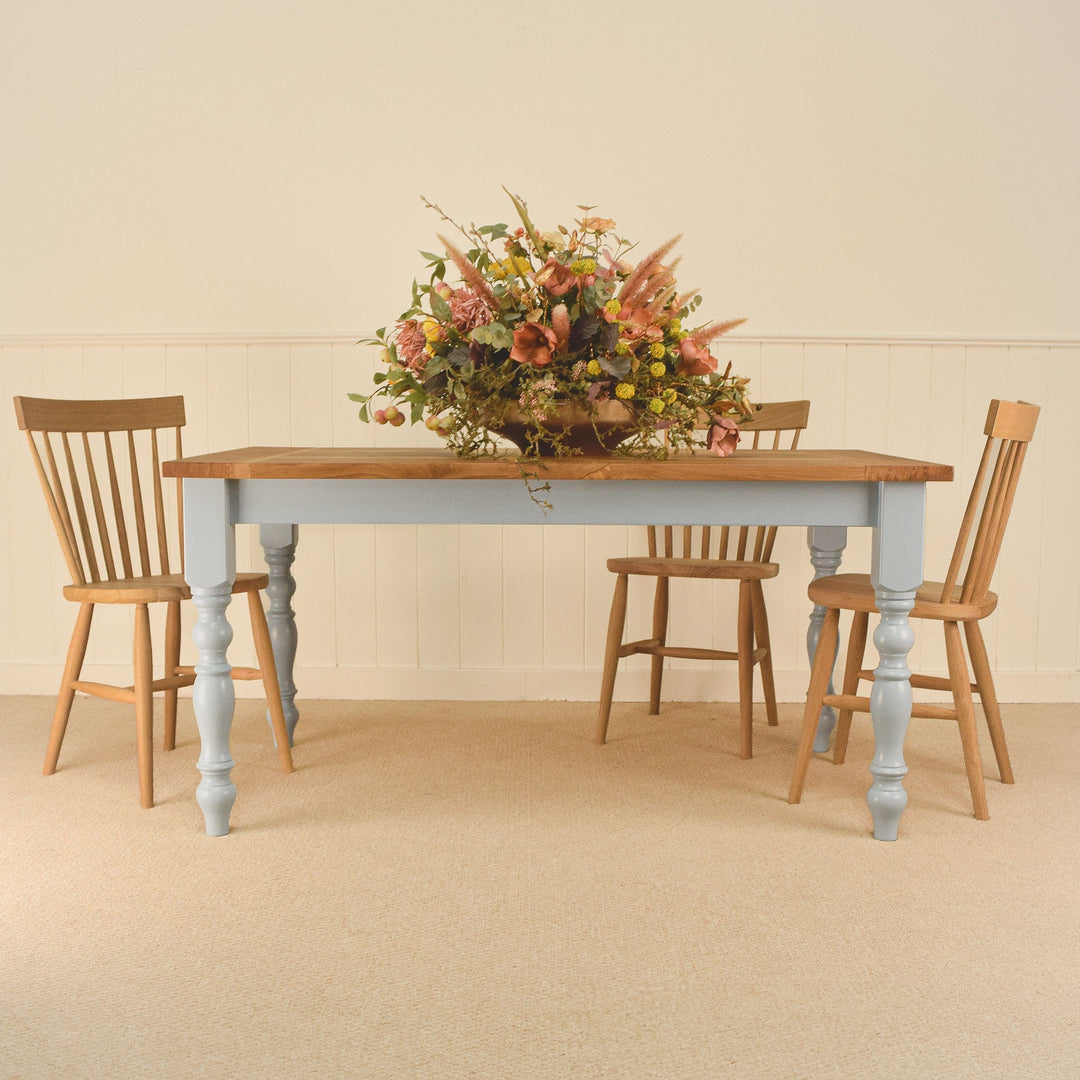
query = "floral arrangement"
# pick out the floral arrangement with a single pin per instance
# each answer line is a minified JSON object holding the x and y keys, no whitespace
{"x":554,"y":319}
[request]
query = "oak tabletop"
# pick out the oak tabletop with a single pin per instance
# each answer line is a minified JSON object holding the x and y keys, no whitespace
{"x":365,"y":463}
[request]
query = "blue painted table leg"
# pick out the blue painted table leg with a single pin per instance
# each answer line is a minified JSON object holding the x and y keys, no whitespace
{"x":213,"y":700}
{"x":826,"y":545}
{"x":890,"y":707}
{"x":210,"y":569}
{"x":896,"y":572}
{"x":279,"y":550}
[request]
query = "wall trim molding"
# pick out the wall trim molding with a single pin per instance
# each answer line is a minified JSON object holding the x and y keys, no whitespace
{"x":342,"y":337}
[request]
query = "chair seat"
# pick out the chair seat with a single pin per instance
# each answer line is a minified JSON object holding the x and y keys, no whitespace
{"x":716,"y":569}
{"x":853,"y":592}
{"x":153,"y":589}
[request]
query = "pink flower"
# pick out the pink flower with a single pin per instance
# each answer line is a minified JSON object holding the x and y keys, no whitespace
{"x":468,"y":310}
{"x":411,"y":344}
{"x":556,"y":277}
{"x":694,"y":360}
{"x":723,"y":435}
{"x":533,"y":344}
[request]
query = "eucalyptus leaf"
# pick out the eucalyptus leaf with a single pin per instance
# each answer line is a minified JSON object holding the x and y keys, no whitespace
{"x":616,"y":365}
{"x":439,"y":307}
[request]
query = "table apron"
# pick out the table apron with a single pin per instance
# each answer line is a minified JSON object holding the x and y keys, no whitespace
{"x":572,"y":502}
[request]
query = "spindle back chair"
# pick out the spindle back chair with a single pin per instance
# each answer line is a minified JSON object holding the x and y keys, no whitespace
{"x":708,"y":553}
{"x":120,"y":529}
{"x":962,"y":599}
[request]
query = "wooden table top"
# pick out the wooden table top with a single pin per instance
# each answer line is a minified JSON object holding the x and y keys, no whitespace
{"x":363,"y":463}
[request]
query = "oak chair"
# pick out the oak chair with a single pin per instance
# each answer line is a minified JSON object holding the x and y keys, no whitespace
{"x":962,"y":599}
{"x":741,"y":554}
{"x":99,"y":467}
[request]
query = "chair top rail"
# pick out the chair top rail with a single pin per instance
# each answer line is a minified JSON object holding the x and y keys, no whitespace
{"x":130,"y":414}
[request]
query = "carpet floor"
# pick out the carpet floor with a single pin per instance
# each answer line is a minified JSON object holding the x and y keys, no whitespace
{"x":476,"y":890}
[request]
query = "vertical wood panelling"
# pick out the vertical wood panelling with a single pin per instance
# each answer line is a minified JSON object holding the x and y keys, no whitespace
{"x":480,"y":610}
{"x":1058,"y":597}
{"x":396,"y":596}
{"x":438,"y":607}
{"x":564,"y":579}
{"x":27,"y":613}
{"x":517,"y":609}
{"x":1020,"y":563}
{"x":824,"y":369}
{"x":309,"y":398}
{"x":523,"y":597}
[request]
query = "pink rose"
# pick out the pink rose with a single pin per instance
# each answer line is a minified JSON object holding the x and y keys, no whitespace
{"x":556,"y":277}
{"x":723,"y":436}
{"x":533,"y":344}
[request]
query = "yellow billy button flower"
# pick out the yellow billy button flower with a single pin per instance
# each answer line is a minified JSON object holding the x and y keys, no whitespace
{"x":656,"y":405}
{"x":657,"y":370}
{"x":622,"y":348}
{"x":581,"y":267}
{"x":657,"y":351}
{"x":670,"y":394}
{"x":613,"y":307}
{"x":624,"y":390}
{"x":594,"y":368}
{"x":675,"y":326}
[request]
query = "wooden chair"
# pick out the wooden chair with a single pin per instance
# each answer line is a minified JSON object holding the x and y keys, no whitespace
{"x":740,"y":554}
{"x":963,"y":599}
{"x":99,"y":466}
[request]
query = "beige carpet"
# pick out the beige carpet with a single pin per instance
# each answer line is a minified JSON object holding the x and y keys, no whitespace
{"x":476,"y":890}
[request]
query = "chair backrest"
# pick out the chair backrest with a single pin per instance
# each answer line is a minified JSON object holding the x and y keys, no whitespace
{"x":1010,"y":426}
{"x":774,"y":426}
{"x":99,"y":463}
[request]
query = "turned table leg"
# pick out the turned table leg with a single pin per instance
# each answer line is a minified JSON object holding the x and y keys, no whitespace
{"x":826,"y":543}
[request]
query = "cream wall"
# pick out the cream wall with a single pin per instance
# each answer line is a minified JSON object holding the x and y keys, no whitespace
{"x":219,"y":198}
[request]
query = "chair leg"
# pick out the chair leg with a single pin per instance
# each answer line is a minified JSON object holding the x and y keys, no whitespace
{"x":746,"y":671}
{"x":965,"y":715}
{"x":856,"y":650}
{"x":659,"y":632}
{"x":72,"y":668}
{"x":984,"y":680}
{"x":761,"y":636}
{"x":144,"y":704}
{"x":172,"y":662}
{"x":264,"y":650}
{"x":616,"y":624}
{"x":819,"y":683}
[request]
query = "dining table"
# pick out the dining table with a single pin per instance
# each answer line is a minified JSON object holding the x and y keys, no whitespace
{"x":281,"y":488}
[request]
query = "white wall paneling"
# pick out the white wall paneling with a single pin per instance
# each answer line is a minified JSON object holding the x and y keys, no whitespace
{"x":502,"y":612}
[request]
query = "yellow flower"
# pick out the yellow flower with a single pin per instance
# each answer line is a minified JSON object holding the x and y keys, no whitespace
{"x":670,"y":394}
{"x":431,"y":330}
{"x":515,"y":264}
{"x":624,"y":390}
{"x":658,"y":369}
{"x":613,"y":307}
{"x":675,"y":326}
{"x":583,"y":266}
{"x":657,"y":351}
{"x":622,"y":349}
{"x":656,"y":405}
{"x":594,"y":367}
